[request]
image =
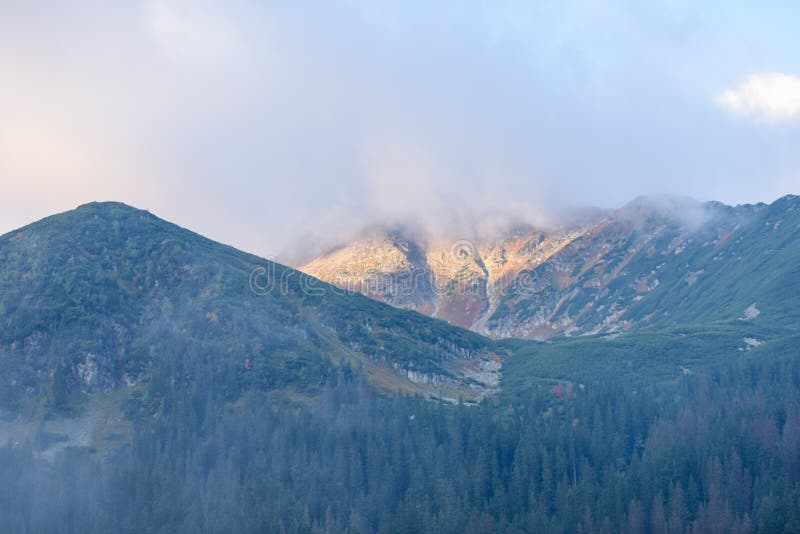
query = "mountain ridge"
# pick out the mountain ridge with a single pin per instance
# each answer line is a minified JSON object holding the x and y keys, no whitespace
{"x":588,"y":278}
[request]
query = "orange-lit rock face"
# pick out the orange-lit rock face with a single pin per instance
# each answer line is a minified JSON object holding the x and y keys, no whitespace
{"x":630,"y":268}
{"x":460,"y":281}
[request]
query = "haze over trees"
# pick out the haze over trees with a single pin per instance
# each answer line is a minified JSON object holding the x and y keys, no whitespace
{"x":718,"y":452}
{"x":148,"y":387}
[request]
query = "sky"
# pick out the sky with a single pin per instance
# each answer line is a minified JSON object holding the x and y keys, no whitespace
{"x":267,"y":124}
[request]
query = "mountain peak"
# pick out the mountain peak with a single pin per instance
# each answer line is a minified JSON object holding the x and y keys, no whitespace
{"x":92,"y":221}
{"x":787,"y":201}
{"x":106,"y":207}
{"x":106,"y":204}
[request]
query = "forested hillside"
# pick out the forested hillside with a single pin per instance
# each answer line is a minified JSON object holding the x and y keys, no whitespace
{"x":718,"y":452}
{"x":92,"y":299}
{"x":152,"y":384}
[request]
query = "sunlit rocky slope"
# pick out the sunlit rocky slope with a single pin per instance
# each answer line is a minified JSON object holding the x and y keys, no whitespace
{"x":654,"y":262}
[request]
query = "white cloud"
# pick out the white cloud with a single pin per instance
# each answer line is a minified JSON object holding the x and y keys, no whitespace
{"x":298,"y":119}
{"x":192,"y":30}
{"x":766,"y":95}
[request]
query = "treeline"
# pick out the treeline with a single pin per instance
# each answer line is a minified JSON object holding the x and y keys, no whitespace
{"x":719,"y":452}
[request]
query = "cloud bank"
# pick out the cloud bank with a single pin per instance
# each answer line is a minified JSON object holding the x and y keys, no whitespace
{"x":258,"y":123}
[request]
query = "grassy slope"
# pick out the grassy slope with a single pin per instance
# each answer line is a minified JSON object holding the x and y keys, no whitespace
{"x":759,"y":263}
{"x":647,"y":358}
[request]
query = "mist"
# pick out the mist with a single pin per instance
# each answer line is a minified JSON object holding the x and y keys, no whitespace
{"x":264,"y":125}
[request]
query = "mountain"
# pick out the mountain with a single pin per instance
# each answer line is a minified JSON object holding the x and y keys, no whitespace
{"x":655,"y":262}
{"x":153,"y":380}
{"x":97,"y":298}
{"x":459,"y":281}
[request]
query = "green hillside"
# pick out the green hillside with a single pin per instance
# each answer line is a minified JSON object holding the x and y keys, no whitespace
{"x":96,"y":298}
{"x":654,"y":265}
{"x":649,"y":358}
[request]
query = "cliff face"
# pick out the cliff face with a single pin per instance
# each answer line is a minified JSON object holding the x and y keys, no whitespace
{"x":652,"y":262}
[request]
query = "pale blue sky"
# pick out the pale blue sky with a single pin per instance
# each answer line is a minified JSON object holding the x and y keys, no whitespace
{"x":259,"y":122}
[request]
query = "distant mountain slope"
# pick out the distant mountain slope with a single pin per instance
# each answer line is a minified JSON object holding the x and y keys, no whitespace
{"x":459,"y":281}
{"x":652,"y":265}
{"x":654,"y":262}
{"x":94,"y":298}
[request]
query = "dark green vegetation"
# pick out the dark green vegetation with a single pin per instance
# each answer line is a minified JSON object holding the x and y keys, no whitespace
{"x":717,"y":452}
{"x":94,"y":298}
{"x":223,"y":409}
{"x":640,"y":358}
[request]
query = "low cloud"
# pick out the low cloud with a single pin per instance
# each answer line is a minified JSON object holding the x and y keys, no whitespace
{"x":192,"y":30}
{"x":765,"y":95}
{"x":268,"y":125}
